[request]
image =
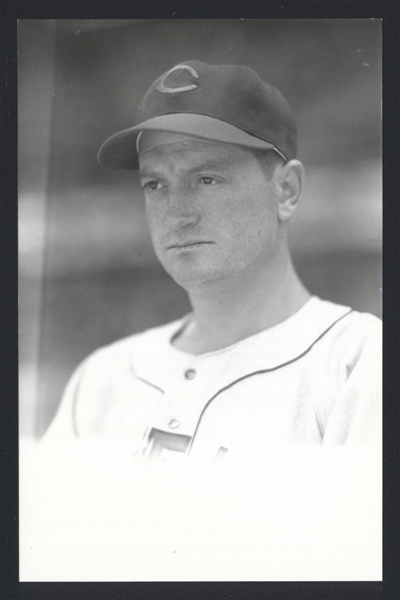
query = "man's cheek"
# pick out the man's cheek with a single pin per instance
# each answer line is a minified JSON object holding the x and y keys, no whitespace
{"x":154,"y":228}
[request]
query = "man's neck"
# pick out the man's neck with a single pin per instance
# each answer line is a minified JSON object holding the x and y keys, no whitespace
{"x":225,"y":313}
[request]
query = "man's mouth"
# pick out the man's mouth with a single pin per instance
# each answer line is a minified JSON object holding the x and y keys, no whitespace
{"x":188,"y":245}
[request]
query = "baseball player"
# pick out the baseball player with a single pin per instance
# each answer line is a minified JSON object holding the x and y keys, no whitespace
{"x":260,"y":363}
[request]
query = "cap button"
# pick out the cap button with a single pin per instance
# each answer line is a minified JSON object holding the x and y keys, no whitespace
{"x":190,"y":374}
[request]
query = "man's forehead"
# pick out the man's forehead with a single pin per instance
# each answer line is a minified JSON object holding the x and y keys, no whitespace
{"x":154,"y":145}
{"x":150,"y":140}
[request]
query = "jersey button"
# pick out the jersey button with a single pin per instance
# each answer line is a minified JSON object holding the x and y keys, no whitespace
{"x":174,"y":423}
{"x":190,"y":374}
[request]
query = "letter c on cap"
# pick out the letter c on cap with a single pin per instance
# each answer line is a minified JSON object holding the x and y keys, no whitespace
{"x":167,"y":90}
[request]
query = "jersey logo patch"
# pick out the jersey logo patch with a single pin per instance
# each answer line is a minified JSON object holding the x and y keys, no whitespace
{"x":163,"y":445}
{"x":186,"y":88}
{"x":159,"y":441}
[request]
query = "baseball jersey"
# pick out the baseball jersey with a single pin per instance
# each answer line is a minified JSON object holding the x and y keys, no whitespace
{"x":313,"y":379}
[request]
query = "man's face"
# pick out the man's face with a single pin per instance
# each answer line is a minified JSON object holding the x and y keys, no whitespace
{"x":211,"y":209}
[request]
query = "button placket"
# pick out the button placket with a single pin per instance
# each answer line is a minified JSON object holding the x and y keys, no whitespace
{"x":185,"y":400}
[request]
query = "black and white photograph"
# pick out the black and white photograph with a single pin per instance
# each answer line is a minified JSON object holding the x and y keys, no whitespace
{"x":200,"y":300}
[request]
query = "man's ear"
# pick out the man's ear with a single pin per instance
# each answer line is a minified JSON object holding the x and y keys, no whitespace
{"x":290,"y":177}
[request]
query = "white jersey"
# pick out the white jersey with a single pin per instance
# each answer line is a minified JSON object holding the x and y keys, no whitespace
{"x":314,"y":379}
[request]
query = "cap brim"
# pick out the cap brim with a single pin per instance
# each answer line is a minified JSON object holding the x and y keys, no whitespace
{"x":120,"y":150}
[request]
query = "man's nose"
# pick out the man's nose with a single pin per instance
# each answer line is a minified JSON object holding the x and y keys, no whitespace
{"x":182,"y":209}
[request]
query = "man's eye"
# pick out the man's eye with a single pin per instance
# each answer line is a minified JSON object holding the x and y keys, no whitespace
{"x":152,"y":185}
{"x":207,"y":180}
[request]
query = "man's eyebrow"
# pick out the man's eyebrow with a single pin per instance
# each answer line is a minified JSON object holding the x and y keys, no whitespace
{"x":149,"y":172}
{"x":222,"y":163}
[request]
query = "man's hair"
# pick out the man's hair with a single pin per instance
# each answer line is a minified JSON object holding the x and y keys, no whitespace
{"x":267,"y":159}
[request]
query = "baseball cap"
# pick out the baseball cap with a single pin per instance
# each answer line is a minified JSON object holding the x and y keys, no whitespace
{"x":221,"y":103}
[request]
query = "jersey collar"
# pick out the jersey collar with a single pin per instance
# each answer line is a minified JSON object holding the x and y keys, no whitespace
{"x":154,"y":358}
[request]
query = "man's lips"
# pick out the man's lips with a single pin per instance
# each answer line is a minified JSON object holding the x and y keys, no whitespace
{"x":182,"y":245}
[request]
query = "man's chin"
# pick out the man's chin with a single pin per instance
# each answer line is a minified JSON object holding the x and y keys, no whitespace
{"x":191,"y":279}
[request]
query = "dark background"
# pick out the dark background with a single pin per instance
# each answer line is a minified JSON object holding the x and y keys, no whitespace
{"x":87,"y":273}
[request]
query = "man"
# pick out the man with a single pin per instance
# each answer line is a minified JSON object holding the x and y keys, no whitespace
{"x":260,"y":364}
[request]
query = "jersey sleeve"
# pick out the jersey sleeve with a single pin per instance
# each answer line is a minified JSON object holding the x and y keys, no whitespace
{"x":356,"y":415}
{"x":63,"y":427}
